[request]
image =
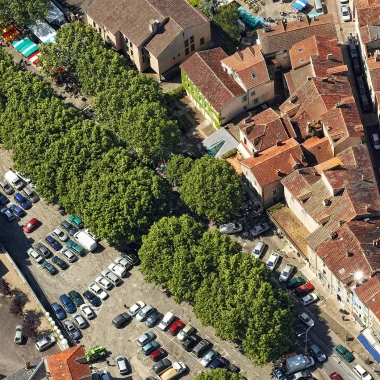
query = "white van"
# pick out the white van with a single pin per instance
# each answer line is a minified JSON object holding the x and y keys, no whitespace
{"x":318,"y":6}
{"x":166,"y":321}
{"x":14,"y":180}
{"x":362,"y":373}
{"x":86,"y":241}
{"x":258,"y":250}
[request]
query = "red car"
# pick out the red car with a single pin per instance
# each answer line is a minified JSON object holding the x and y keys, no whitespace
{"x":31,"y":225}
{"x":304,"y":289}
{"x":175,"y":327}
{"x":335,"y":376}
{"x":158,"y":354}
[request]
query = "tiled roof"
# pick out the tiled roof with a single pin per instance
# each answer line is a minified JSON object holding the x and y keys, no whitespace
{"x":205,"y":71}
{"x":296,"y":78}
{"x":299,"y":183}
{"x":264,"y":129}
{"x":250,"y":66}
{"x":275,"y":163}
{"x":284,"y":35}
{"x":65,"y":365}
{"x":374,"y":72}
{"x":369,"y":294}
{"x":368,"y":11}
{"x":317,"y":150}
{"x":37,"y":372}
{"x":132,"y":18}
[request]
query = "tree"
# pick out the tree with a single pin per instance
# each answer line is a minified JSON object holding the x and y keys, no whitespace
{"x":212,"y":188}
{"x":227,"y":18}
{"x":32,"y":321}
{"x":219,"y":374}
{"x":209,"y":7}
{"x":177,"y":167}
{"x":5,"y":288}
{"x":18,"y":302}
{"x":23,"y":11}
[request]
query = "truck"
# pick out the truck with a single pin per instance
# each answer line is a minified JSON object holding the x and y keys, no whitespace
{"x":95,"y":353}
{"x":175,"y":370}
{"x":55,"y":16}
{"x":14,"y":180}
{"x":298,"y":363}
{"x":86,"y":241}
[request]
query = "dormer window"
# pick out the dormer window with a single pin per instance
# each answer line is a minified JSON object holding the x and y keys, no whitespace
{"x":300,"y":49}
{"x":253,"y":75}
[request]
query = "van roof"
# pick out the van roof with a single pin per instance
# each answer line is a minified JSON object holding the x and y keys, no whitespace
{"x":168,"y":315}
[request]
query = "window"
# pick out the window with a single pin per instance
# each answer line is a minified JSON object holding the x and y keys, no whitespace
{"x":274,"y":191}
{"x":126,"y":40}
{"x":192,"y":39}
{"x":179,"y":54}
{"x":253,"y":75}
{"x":255,"y":101}
{"x":186,"y":43}
{"x":253,"y":93}
{"x":202,"y":41}
{"x":130,"y":44}
{"x":245,"y":141}
{"x":100,"y":30}
{"x":131,"y":52}
{"x":324,"y":272}
{"x":187,"y":51}
{"x":192,"y":47}
{"x":93,"y":24}
{"x":244,"y":99}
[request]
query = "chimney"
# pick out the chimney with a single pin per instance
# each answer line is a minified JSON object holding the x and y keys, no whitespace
{"x":341,"y":104}
{"x":309,"y":77}
{"x":278,"y":143}
{"x":293,"y":99}
{"x":377,"y":55}
{"x":248,"y":120}
{"x":325,"y":202}
{"x":255,"y":153}
{"x":308,"y":128}
{"x":333,"y":235}
{"x":368,"y":208}
{"x":329,"y":57}
{"x":349,"y":254}
{"x":153,"y":25}
{"x":278,"y":171}
{"x":324,"y":79}
{"x":340,"y":223}
{"x":362,"y":177}
{"x":374,"y":243}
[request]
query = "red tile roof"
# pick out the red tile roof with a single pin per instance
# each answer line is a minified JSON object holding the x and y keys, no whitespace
{"x":374,"y":72}
{"x":284,"y":36}
{"x":249,"y":65}
{"x":276,"y":162}
{"x":368,"y":11}
{"x":64,"y":365}
{"x":369,"y":294}
{"x":205,"y":70}
{"x":264,"y":129}
{"x":317,"y":150}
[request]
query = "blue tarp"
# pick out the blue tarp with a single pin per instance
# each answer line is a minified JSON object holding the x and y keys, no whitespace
{"x":249,"y":19}
{"x":300,"y":4}
{"x":363,"y":340}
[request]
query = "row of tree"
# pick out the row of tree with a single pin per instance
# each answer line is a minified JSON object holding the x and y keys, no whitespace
{"x":230,"y":290}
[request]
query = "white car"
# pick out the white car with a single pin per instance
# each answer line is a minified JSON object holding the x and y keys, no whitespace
{"x":68,"y":255}
{"x":272,"y":261}
{"x":286,"y":272}
{"x":80,"y":321}
{"x":123,"y":262}
{"x":87,"y":311}
{"x":310,"y":298}
{"x":117,"y":269}
{"x":102,"y":281}
{"x":98,"y":291}
{"x":144,"y":313}
{"x":346,"y":16}
{"x":259,"y":229}
{"x":230,"y":228}
{"x":91,"y":235}
{"x":135,"y":308}
{"x":60,"y":234}
{"x":45,"y":342}
{"x":35,"y":255}
{"x":122,"y":365}
{"x":306,"y":319}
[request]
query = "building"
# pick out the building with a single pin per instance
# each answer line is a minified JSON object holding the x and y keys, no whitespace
{"x":156,"y":34}
{"x":223,"y":87}
{"x":277,"y":40}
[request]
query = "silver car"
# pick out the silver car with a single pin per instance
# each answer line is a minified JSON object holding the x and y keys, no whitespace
{"x":230,"y":228}
{"x":44,"y":342}
{"x":122,"y":365}
{"x":72,"y":330}
{"x":286,"y":272}
{"x":60,"y":234}
{"x":208,"y":358}
{"x":80,"y":321}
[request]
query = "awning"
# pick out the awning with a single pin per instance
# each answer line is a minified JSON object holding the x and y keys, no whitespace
{"x":300,"y":4}
{"x":367,"y":345}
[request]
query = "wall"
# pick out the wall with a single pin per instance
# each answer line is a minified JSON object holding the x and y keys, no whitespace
{"x":232,"y":109}
{"x":251,"y":180}
{"x":269,"y":199}
{"x":350,"y":141}
{"x":263,"y":92}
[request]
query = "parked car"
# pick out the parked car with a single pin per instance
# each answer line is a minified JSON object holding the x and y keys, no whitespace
{"x":69,"y":228}
{"x":87,"y":311}
{"x":92,"y":298}
{"x":5,"y":187}
{"x":161,"y":366}
{"x":375,"y":141}
{"x":260,"y":228}
{"x":233,"y":368}
{"x":335,"y":376}
{"x":146,"y":338}
{"x":35,"y":256}
{"x":278,"y":374}
{"x":309,"y":299}
{"x":230,"y":228}
{"x":356,"y":65}
{"x":208,"y":358}
{"x":58,"y":311}
{"x":31,"y":225}
{"x":318,"y":353}
{"x":186,"y":332}
{"x":115,"y":280}
{"x":77,"y":222}
{"x":201,"y":348}
{"x":72,"y":330}
{"x":59,"y":262}
{"x":190,"y":342}
{"x":76,"y":298}
{"x":122,"y":365}
{"x":43,"y":250}
{"x":347,"y":355}
{"x":102,"y":281}
{"x":286,"y":272}
{"x":304,"y":289}
{"x":76,"y":248}
{"x":121,"y":320}
{"x":18,"y":334}
{"x":144,"y":313}
{"x":295,"y":282}
{"x":92,"y":235}
{"x":104,"y":375}
{"x":67,"y":304}
{"x":258,"y":249}
{"x":158,"y":354}
{"x":150,"y":347}
{"x":306,"y":319}
{"x":352,"y":49}
{"x":219,"y":362}
{"x":123,"y":262}
{"x":102,"y":294}
{"x":117,"y":269}
{"x":7,"y":214}
{"x":131,"y":257}
{"x":272,"y":261}
{"x":175,"y":327}
{"x":3,"y":199}
{"x":45,"y":342}
{"x":68,"y":255}
{"x":53,"y":243}
{"x":22,"y":201}
{"x":361,"y":85}
{"x":60,"y":234}
{"x":365,"y":102}
{"x":17,"y":210}
{"x":49,"y":267}
{"x":166,"y":321}
{"x":80,"y":321}
{"x":153,"y":318}
{"x":346,"y":16}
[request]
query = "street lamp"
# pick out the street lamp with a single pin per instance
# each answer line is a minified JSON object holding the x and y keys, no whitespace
{"x":306,"y":336}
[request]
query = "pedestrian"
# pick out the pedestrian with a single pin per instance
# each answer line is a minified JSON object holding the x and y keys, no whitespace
{"x":107,"y":361}
{"x":343,"y":318}
{"x":125,"y":306}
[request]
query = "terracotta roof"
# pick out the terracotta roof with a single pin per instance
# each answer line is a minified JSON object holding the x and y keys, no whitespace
{"x":64,"y":365}
{"x":250,"y":66}
{"x":275,"y":162}
{"x":317,"y":150}
{"x":132,"y":18}
{"x":296,"y":78}
{"x":299,"y":183}
{"x":264,"y":129}
{"x":205,"y":71}
{"x":284,"y":36}
{"x":374,"y":72}
{"x":369,"y":294}
{"x":368,"y":11}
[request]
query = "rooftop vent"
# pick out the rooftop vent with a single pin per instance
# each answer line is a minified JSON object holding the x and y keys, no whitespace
{"x":340,"y":223}
{"x":300,"y":49}
{"x":326,"y":202}
{"x":253,"y":75}
{"x":267,"y":29}
{"x":330,"y":57}
{"x":153,"y":25}
{"x":309,"y":77}
{"x":255,"y":153}
{"x":278,"y":171}
{"x":368,"y":208}
{"x":293,"y":99}
{"x":278,"y":143}
{"x":341,"y":104}
{"x":349,"y":254}
{"x":333,"y":235}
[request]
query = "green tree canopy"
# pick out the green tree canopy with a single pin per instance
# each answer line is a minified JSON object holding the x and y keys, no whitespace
{"x":227,"y":18}
{"x":219,"y":374}
{"x":212,"y":188}
{"x":23,"y":11}
{"x":177,"y":167}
